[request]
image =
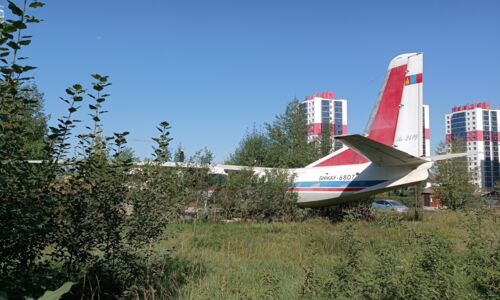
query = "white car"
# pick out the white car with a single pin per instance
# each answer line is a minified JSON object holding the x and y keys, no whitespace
{"x":389,"y":205}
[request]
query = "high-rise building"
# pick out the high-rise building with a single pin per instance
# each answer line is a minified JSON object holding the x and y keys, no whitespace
{"x":321,"y":109}
{"x":477,"y":126}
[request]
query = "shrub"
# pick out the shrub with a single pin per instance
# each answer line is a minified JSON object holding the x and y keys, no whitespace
{"x":261,"y":197}
{"x":483,"y":257}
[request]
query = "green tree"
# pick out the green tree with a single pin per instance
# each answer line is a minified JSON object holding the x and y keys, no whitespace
{"x":288,"y":139}
{"x":283,"y":143}
{"x":68,"y":221}
{"x":91,"y":197}
{"x":326,"y":139}
{"x":25,"y":205}
{"x":35,"y":122}
{"x":252,"y":151}
{"x":156,"y":195}
{"x":127,"y":155}
{"x":453,"y":181}
{"x":202,"y":157}
{"x":161,"y":151}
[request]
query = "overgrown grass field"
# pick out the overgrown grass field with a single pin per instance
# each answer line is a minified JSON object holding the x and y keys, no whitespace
{"x":388,"y":256}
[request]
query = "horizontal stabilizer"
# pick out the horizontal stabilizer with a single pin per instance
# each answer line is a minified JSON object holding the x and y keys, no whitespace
{"x":378,"y":153}
{"x":450,"y":155}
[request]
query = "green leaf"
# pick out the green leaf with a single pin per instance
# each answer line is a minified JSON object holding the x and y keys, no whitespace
{"x":5,"y":70}
{"x":7,"y":29}
{"x":17,"y":68}
{"x":13,"y":45}
{"x":57,"y":294}
{"x":19,"y":25}
{"x":72,"y":109}
{"x":37,"y":4}
{"x":92,"y":107}
{"x":28,"y":68}
{"x":25,"y":42}
{"x":15,"y":9}
{"x":7,"y":34}
{"x":32,"y":19}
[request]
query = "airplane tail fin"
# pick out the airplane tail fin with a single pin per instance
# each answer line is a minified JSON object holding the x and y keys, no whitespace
{"x":397,"y":118}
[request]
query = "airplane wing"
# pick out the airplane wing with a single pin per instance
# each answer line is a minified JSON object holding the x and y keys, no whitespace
{"x":244,"y":168}
{"x":380,"y":154}
{"x":216,"y":168}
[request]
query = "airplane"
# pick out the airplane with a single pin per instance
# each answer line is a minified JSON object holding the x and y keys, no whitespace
{"x":386,"y":157}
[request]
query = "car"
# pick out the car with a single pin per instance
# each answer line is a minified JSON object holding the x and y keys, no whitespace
{"x":389,"y":205}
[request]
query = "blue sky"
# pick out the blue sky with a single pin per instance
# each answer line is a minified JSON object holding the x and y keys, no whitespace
{"x":214,"y":69}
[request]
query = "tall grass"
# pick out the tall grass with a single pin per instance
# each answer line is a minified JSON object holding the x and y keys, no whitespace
{"x":394,"y":258}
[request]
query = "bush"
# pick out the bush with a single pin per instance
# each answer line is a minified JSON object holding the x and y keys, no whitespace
{"x":421,"y":265}
{"x":68,"y":217}
{"x":483,"y":258}
{"x":261,"y":197}
{"x":25,"y":203}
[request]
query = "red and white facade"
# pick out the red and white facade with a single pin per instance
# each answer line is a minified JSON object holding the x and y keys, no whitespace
{"x":323,"y":108}
{"x":477,"y":125}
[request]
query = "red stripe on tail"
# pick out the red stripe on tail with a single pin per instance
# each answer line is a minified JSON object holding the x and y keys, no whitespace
{"x":384,"y":125}
{"x":386,"y":120}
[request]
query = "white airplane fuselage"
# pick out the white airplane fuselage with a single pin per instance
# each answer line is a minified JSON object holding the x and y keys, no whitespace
{"x":325,"y":186}
{"x":390,"y":153}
